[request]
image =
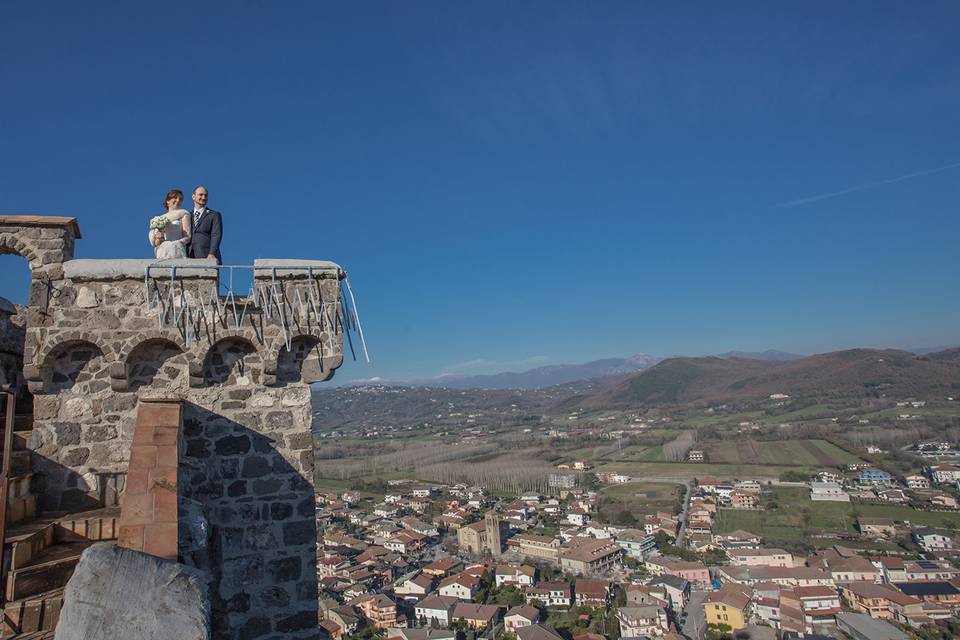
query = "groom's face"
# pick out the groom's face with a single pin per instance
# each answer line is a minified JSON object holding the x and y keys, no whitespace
{"x":200,"y":197}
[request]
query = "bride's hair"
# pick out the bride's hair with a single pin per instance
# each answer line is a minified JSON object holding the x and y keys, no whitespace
{"x":173,"y":193}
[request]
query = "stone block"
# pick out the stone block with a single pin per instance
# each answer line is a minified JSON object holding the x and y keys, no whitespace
{"x":160,"y":539}
{"x":119,"y":593}
{"x":86,"y":298}
{"x":45,"y":407}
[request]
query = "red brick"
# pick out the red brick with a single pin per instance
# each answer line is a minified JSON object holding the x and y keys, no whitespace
{"x":143,"y":435}
{"x":136,"y":480}
{"x":161,"y":540}
{"x":165,"y":435}
{"x":131,"y":537}
{"x":167,"y":456}
{"x":156,"y":414}
{"x":143,"y":457}
{"x":165,"y":505}
{"x":136,"y":509}
{"x":161,"y":477}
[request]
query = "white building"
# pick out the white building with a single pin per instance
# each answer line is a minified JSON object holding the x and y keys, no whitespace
{"x":944,"y":473}
{"x":828,"y":492}
{"x":932,"y":539}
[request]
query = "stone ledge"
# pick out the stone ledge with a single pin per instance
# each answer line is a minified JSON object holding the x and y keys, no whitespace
{"x":43,"y":221}
{"x":263,"y":267}
{"x":127,"y":269}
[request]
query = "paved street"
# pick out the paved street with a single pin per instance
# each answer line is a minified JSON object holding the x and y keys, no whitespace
{"x":695,"y":624}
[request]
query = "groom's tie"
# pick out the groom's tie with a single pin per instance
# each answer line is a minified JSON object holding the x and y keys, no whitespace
{"x":196,"y":218}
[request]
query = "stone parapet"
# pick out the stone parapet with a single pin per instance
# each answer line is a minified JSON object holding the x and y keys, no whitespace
{"x":106,"y":337}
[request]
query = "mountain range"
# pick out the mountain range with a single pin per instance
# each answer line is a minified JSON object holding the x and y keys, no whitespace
{"x":605,"y":370}
{"x":546,"y":376}
{"x":850,"y":373}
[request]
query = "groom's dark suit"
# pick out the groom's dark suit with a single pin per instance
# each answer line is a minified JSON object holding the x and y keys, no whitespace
{"x":206,"y":234}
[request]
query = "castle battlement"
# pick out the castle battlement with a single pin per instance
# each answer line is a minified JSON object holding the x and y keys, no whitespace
{"x":161,"y":388}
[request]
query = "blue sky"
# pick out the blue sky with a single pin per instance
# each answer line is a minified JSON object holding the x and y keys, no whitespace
{"x":514,"y":184}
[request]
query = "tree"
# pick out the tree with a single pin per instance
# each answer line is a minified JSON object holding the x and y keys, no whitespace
{"x":507,"y":595}
{"x":546,"y":573}
{"x":718,"y":632}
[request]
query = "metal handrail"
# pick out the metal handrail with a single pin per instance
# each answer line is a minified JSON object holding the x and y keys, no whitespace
{"x":11,"y":399}
{"x":266,"y":296}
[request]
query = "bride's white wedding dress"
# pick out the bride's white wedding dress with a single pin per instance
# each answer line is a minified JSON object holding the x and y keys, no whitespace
{"x":175,"y":241}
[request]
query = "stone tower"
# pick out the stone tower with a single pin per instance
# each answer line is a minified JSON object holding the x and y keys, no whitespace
{"x":157,"y":387}
{"x":494,"y":538}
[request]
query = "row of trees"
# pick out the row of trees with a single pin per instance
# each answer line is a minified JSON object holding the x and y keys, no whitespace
{"x":676,"y":450}
{"x":408,"y":458}
{"x":510,"y":474}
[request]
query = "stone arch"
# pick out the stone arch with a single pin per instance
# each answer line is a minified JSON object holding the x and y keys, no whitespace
{"x":76,"y":365}
{"x":232,"y":360}
{"x":158,"y":363}
{"x":12,"y":242}
{"x":303,"y":361}
{"x":57,"y":341}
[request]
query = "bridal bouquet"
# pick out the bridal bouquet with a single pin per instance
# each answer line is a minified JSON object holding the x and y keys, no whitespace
{"x":159,"y":223}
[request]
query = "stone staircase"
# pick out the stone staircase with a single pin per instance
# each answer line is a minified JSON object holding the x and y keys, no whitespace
{"x":40,"y":550}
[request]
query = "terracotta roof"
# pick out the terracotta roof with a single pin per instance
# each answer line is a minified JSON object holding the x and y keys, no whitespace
{"x":874,"y":590}
{"x":525,"y":611}
{"x":472,"y":611}
{"x":735,"y":595}
{"x":538,"y":632}
{"x":592,"y":587}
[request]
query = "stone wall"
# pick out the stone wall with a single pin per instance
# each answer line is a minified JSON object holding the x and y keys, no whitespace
{"x":12,"y":334}
{"x":95,"y":348}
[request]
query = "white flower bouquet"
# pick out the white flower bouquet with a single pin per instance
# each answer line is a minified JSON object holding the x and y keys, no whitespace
{"x":159,"y":223}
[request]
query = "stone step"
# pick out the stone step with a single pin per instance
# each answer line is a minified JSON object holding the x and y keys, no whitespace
{"x":50,"y":569}
{"x":25,"y":542}
{"x":32,"y":618}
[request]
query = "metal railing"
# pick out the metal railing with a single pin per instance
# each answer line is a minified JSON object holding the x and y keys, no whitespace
{"x":281,"y":298}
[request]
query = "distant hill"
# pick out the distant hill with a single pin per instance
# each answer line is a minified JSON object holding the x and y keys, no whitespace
{"x":547,"y":376}
{"x":853,"y":372}
{"x":769,"y":354}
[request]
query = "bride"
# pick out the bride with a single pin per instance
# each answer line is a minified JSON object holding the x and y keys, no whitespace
{"x":170,"y":232}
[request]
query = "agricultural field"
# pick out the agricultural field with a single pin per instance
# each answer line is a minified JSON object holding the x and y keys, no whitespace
{"x":637,"y":498}
{"x":795,"y":514}
{"x":689,"y":470}
{"x":778,"y":452}
{"x":636,"y":453}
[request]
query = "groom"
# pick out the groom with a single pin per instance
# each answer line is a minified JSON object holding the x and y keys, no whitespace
{"x":207,"y":228}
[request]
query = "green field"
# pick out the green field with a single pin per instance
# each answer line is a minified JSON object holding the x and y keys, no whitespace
{"x":635,"y":453}
{"x":777,"y":452}
{"x":638,"y":498}
{"x":796,"y":513}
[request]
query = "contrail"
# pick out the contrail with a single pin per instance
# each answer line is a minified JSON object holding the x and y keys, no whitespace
{"x":864,"y":187}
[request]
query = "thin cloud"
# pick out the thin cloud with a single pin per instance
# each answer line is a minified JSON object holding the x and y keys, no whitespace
{"x":864,"y":187}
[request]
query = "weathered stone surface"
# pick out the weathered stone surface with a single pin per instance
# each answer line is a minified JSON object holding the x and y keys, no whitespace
{"x":96,"y":347}
{"x":86,"y":298}
{"x":128,"y":269}
{"x":119,"y":593}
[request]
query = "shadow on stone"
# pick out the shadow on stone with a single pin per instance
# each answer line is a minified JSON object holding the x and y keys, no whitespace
{"x":247,"y":518}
